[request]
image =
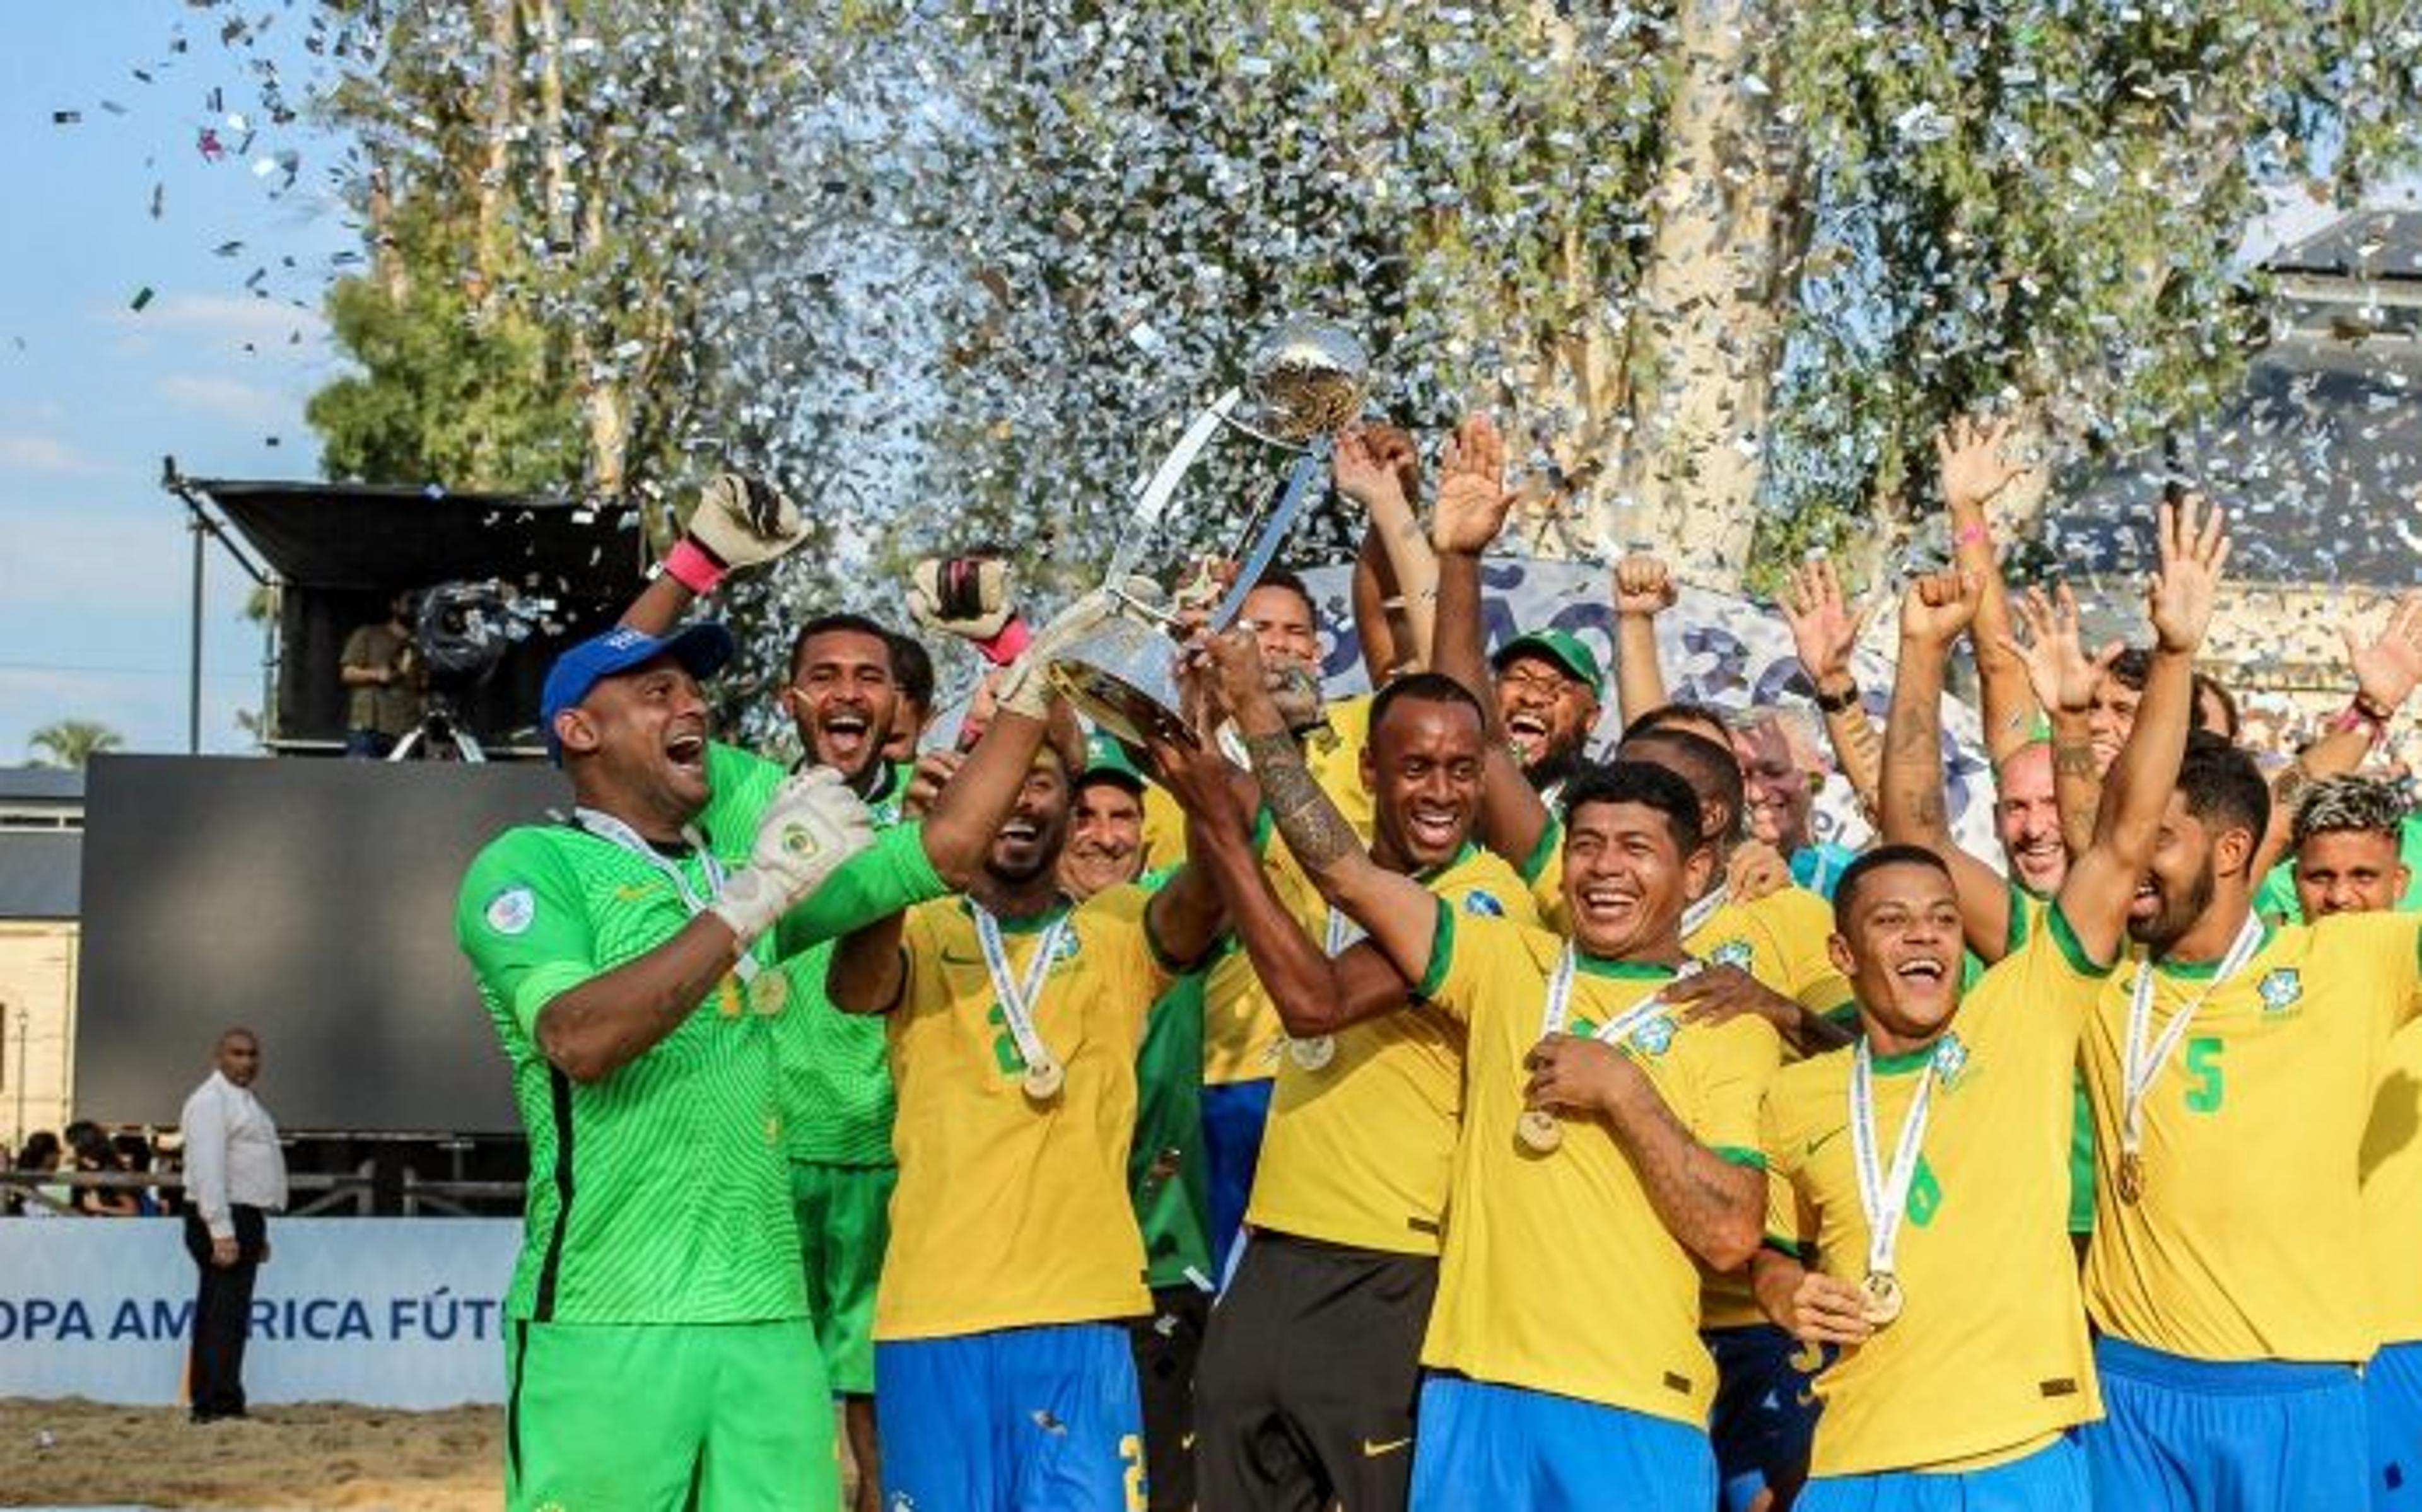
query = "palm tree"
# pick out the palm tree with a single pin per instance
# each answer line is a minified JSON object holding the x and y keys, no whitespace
{"x":73,"y":742}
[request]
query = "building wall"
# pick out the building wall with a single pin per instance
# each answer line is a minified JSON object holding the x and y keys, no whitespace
{"x":37,"y":990}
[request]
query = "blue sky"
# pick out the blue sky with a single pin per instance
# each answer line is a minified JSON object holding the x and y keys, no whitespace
{"x":94,"y":556}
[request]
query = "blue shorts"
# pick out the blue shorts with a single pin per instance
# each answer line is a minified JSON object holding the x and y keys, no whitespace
{"x":1233,"y":1114}
{"x":1765,"y":1413}
{"x":1484,"y":1445}
{"x":1015,"y":1420}
{"x":2217,"y":1435}
{"x":2051,"y":1479}
{"x":2392,"y":1398}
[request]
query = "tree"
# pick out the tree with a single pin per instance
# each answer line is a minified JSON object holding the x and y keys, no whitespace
{"x":73,"y":743}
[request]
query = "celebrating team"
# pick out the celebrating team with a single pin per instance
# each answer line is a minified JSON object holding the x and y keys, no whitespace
{"x":1385,"y":1103}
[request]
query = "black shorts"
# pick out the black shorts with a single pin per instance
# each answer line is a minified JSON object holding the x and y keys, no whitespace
{"x":1167,"y":1344}
{"x":1304,"y":1396}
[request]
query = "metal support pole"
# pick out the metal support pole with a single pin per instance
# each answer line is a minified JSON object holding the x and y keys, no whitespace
{"x":194,"y":668}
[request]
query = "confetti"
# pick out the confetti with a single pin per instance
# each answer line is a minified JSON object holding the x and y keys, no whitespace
{"x":142,"y":297}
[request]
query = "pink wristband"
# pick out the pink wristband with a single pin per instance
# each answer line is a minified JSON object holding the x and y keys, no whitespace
{"x":694,"y":567}
{"x":1002,"y":648}
{"x":1972,"y":532}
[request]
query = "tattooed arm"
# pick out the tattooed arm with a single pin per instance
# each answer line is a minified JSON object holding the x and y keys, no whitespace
{"x":1913,"y":811}
{"x":1715,"y":1207}
{"x":1399,"y":914}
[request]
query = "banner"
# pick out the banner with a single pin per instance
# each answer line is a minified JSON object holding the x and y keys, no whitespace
{"x":385,"y":1312}
{"x":1715,"y":648}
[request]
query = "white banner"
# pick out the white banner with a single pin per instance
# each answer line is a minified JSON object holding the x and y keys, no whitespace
{"x":386,"y":1312}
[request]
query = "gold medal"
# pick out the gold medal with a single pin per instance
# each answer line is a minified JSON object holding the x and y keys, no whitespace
{"x":1043,"y":1081}
{"x":1884,"y":1298}
{"x":768,"y":991}
{"x":2132,"y":1177}
{"x":1539,"y":1130}
{"x":1312,"y":1053}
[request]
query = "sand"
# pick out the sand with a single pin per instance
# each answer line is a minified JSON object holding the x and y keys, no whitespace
{"x":330,"y":1455}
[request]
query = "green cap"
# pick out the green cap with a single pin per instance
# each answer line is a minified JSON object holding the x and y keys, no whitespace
{"x":1107,"y":761}
{"x":1562,"y":648}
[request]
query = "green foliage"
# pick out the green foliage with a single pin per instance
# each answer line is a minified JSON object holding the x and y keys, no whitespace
{"x":73,"y":742}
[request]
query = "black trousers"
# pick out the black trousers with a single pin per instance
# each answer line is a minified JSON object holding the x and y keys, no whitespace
{"x":1166,"y":1344}
{"x":222,"y":1312}
{"x":1304,"y":1396}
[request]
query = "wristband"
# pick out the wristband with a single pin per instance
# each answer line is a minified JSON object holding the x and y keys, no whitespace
{"x":2371,"y":710}
{"x":1003,"y":648}
{"x":2355,"y":717}
{"x":1838,"y":703}
{"x":694,"y":567}
{"x":1972,"y":532}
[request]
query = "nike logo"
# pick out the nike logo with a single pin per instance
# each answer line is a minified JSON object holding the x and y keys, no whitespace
{"x":1821,"y":1140}
{"x":1372,"y":1451}
{"x":633,"y":892}
{"x":949,"y":959}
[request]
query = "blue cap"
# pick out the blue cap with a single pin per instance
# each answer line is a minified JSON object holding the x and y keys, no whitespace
{"x":702,"y":649}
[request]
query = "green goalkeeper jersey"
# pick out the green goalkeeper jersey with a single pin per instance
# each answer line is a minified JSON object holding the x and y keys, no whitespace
{"x":659,"y":1193}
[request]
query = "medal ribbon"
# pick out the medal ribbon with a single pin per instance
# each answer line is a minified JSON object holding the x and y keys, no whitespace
{"x":1018,"y":1001}
{"x":2142,"y":1066}
{"x":615,"y":833}
{"x":1885,"y":1194}
{"x":1705,"y":909}
{"x":1343,"y":932}
{"x":1614,"y":1030}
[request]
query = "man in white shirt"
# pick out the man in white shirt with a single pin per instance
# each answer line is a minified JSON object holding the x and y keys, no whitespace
{"x":235,"y":1177}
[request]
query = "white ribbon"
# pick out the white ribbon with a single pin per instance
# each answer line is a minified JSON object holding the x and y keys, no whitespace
{"x":1884,"y":1193}
{"x":614,"y":831}
{"x":2141,"y":1065}
{"x":1698,"y":913}
{"x":1018,"y":1000}
{"x":1614,"y":1030}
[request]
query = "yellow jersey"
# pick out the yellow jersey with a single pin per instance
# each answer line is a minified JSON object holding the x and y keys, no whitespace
{"x":1780,"y":941}
{"x":1558,"y":1275}
{"x":1242,"y":1037}
{"x":2391,"y":1171}
{"x":2249,"y":1241}
{"x":1990,"y":1354}
{"x":1360,"y":1148}
{"x":1010,"y":1213}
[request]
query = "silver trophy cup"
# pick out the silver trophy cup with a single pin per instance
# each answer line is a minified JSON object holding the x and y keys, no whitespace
{"x":1305,"y":383}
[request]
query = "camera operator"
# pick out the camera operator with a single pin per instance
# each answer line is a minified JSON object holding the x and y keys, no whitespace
{"x":381,"y":672}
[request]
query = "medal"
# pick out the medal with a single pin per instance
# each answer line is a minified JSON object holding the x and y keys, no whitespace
{"x":1883,"y":1190}
{"x":1043,"y":1080}
{"x":2141,"y":1064}
{"x":1044,"y":1075}
{"x":1312,"y":1053}
{"x":768,"y":991}
{"x":2132,"y":1177}
{"x":1884,"y":1300}
{"x":1539,"y":1131}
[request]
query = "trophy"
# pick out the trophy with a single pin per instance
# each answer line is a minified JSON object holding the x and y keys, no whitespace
{"x":1305,"y":383}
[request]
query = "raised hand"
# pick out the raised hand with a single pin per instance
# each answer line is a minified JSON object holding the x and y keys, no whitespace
{"x":1366,"y":467}
{"x":1471,"y":498}
{"x":1644,"y":586}
{"x":1973,"y":456}
{"x":969,"y":598}
{"x":810,"y":827}
{"x":745,"y":520}
{"x":2062,"y":676}
{"x":2193,"y":548}
{"x":2387,"y":666}
{"x":1238,"y":673}
{"x":1824,"y":628}
{"x":1939,"y":605}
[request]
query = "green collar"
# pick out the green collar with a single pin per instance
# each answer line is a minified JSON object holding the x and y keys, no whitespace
{"x":2204,"y":971}
{"x":1430,"y":874}
{"x":1616,"y":968}
{"x":1031,"y":924}
{"x":1908,"y":1060}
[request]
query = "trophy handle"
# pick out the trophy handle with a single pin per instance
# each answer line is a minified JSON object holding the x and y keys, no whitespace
{"x":1154,"y":498}
{"x":1308,"y":469}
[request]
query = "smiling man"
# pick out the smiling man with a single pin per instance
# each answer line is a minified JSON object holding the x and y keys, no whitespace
{"x":1548,"y":686}
{"x":1918,"y":1185}
{"x":1312,"y":1366}
{"x":1601,"y":1137}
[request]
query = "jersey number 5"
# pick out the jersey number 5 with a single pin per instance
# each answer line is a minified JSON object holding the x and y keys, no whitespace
{"x":2203,"y":1065}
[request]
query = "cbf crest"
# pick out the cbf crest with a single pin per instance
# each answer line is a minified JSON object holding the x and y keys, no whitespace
{"x":1732,"y":953}
{"x":2280,"y":990}
{"x":1656,"y":1036}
